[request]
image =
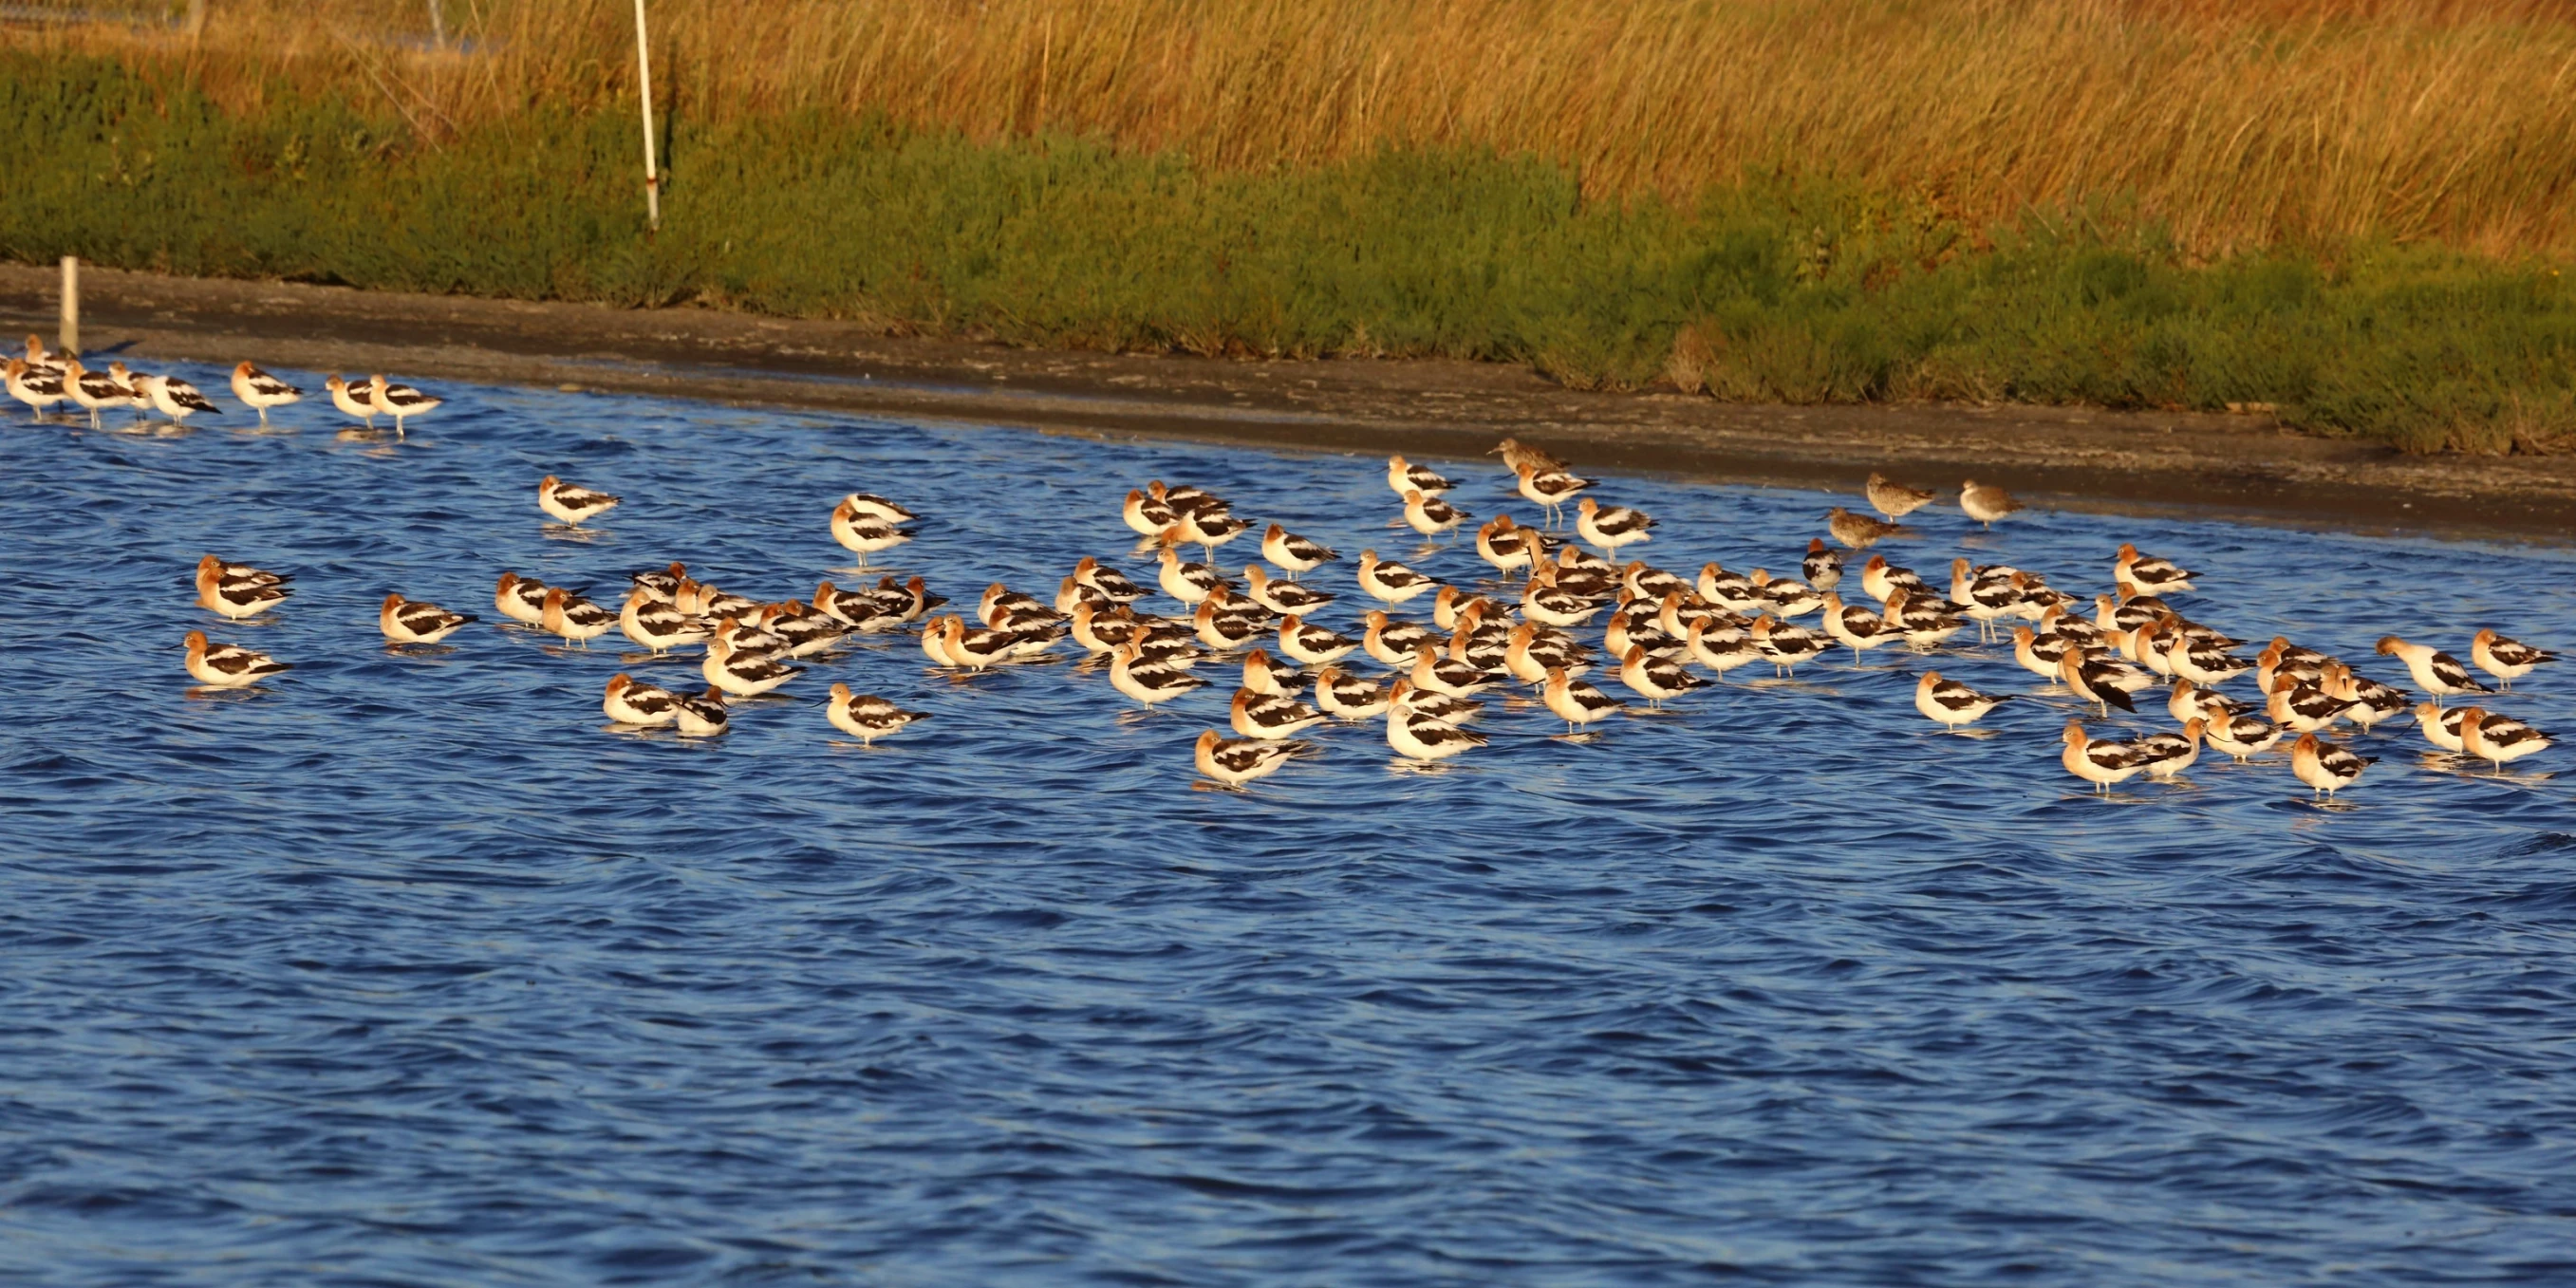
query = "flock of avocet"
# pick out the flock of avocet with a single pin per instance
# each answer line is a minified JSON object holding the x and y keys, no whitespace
{"x":1661,"y":634}
{"x":45,"y":380}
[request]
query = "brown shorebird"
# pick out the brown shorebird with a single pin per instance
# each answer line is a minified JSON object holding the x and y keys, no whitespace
{"x":1895,"y":500}
{"x":1985,"y":504}
{"x":1859,"y":531}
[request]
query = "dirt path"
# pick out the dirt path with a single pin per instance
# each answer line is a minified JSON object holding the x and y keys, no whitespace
{"x":2059,"y":456}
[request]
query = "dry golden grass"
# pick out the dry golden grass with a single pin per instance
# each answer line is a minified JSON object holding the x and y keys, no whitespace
{"x":2238,"y":124}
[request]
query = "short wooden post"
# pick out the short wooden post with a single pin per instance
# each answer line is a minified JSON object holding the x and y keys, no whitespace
{"x":644,"y":86}
{"x":69,"y":334}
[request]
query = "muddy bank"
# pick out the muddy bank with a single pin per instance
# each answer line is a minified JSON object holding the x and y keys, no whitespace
{"x":2093,"y":459}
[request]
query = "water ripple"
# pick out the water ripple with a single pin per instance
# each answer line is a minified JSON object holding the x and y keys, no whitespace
{"x":405,"y":969}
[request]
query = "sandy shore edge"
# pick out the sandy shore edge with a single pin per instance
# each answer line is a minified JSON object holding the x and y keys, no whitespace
{"x":2236,"y":467}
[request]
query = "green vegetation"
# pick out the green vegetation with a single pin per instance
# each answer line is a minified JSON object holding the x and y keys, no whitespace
{"x":1765,"y":290}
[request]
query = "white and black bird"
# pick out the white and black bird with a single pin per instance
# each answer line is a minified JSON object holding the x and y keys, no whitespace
{"x":402,"y":402}
{"x":260,"y":391}
{"x":570,"y":503}
{"x":229,"y":666}
{"x":413,"y":621}
{"x":866,"y":716}
{"x":1953,"y":705}
{"x":629,"y":701}
{"x":1236,"y":761}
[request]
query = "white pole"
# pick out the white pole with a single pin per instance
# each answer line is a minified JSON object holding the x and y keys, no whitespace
{"x":437,"y":26}
{"x":69,"y":334}
{"x":644,"y":83}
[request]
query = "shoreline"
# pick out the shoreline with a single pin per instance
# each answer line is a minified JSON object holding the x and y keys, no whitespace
{"x":2065,"y":457}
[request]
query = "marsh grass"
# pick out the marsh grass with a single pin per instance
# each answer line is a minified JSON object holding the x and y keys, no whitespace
{"x":2170,"y":205}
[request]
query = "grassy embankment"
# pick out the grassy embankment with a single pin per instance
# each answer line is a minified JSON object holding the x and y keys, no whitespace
{"x":2356,"y":212}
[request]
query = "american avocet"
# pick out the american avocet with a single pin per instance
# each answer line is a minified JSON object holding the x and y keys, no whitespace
{"x":1270,"y":717}
{"x":1394,"y":643}
{"x":877,"y":507}
{"x":745,"y":637}
{"x":934,"y":643}
{"x":1677,"y":609}
{"x":1859,"y":531}
{"x":1646,"y":581}
{"x":1575,"y":702}
{"x":40,"y":360}
{"x":1003,"y":608}
{"x":991,"y":646}
{"x":1285,"y":598}
{"x":411,"y":621}
{"x":1611,"y":527}
{"x":1071,"y":594}
{"x":1415,"y":734}
{"x":712,"y":602}
{"x":1268,"y":678}
{"x":1312,"y":645}
{"x":574,"y":618}
{"x":1516,"y":454}
{"x":1293,"y":554}
{"x":39,"y":390}
{"x":91,"y":391}
{"x":663,"y":583}
{"x":2324,"y":766}
{"x":402,"y":402}
{"x":1654,"y":678}
{"x":1893,"y":499}
{"x":522,"y":600}
{"x":1985,"y":595}
{"x":866,"y":716}
{"x":1226,"y":629}
{"x":2205,"y":663}
{"x":1209,"y":528}
{"x":2187,"y":701}
{"x":1719,"y":648}
{"x":2437,"y":672}
{"x":176,"y":398}
{"x":2148,"y":573}
{"x":1189,"y":583}
{"x":1429,"y":515}
{"x":2497,"y":739}
{"x":1784,"y":645}
{"x":1236,"y":761}
{"x":1348,"y":697}
{"x":2441,"y":726}
{"x":1784,"y":597}
{"x":260,"y":391}
{"x":228,"y":666}
{"x":1857,"y":629}
{"x":1880,"y":579}
{"x":571,"y":504}
{"x":131,"y":383}
{"x":629,"y":701}
{"x":1183,"y":498}
{"x":1953,"y":705}
{"x":922,"y":600}
{"x":2300,"y":706}
{"x":1436,"y":672}
{"x":1148,"y":682}
{"x":700,"y":715}
{"x":864,"y":534}
{"x":1387,"y":580}
{"x":353,"y":400}
{"x":2168,"y":754}
{"x":2371,"y":701}
{"x":1499,"y":543}
{"x":1822,"y":567}
{"x":1987,"y":503}
{"x":1148,"y":517}
{"x":2039,"y":654}
{"x":1403,"y":476}
{"x":212,"y":570}
{"x":236,"y":597}
{"x":1542,"y":601}
{"x":2506,"y":660}
{"x":748,"y":675}
{"x":2099,"y":763}
{"x":1528,"y":658}
{"x":1925,"y":620}
{"x":1112,"y":584}
{"x":1732,"y":591}
{"x":806,"y":631}
{"x":1549,"y":489}
{"x":2241,"y":736}
{"x":2090,"y":680}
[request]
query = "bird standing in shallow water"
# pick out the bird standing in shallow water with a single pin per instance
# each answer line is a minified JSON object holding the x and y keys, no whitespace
{"x":1895,"y":500}
{"x":1986,"y":503}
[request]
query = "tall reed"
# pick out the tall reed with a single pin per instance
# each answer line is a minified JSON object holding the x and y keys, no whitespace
{"x":2235,"y":124}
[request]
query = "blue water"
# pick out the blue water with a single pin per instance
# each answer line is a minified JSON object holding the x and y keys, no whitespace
{"x":405,"y":969}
